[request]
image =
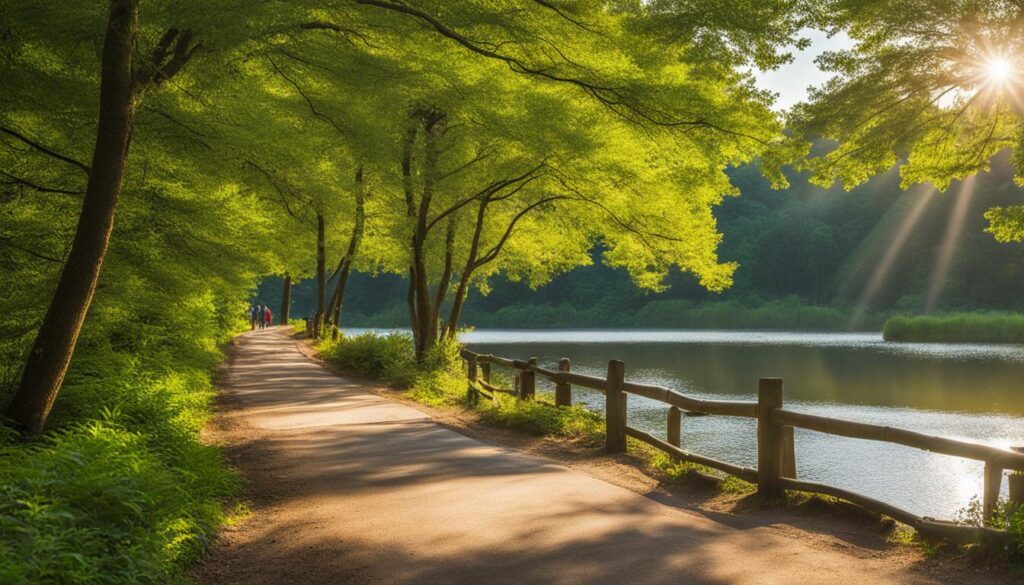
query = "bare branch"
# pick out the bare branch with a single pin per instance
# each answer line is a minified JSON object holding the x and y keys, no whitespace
{"x":9,"y":242}
{"x":496,"y":249}
{"x":579,"y":196}
{"x":485,"y":154}
{"x":172,"y":52}
{"x":37,"y":187}
{"x":309,"y":102}
{"x":551,"y":6}
{"x":487,"y":191}
{"x":345,"y":32}
{"x":280,"y":193}
{"x":84,"y":167}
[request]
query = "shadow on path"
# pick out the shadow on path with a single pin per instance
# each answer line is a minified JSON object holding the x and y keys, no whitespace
{"x":350,"y":487}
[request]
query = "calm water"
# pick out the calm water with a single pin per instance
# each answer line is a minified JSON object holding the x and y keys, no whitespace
{"x":970,"y":392}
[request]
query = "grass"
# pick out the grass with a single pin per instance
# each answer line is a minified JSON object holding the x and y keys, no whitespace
{"x":441,"y":382}
{"x":956,"y":328}
{"x":120,"y":489}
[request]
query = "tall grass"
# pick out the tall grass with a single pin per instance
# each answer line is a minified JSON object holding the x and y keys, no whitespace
{"x":956,"y":327}
{"x":120,"y":489}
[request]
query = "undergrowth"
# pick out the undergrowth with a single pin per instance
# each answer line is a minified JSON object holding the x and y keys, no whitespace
{"x":120,"y":489}
{"x":440,"y":381}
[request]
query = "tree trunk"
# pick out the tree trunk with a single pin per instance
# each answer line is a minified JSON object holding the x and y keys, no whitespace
{"x":345,"y":266}
{"x":467,"y":271}
{"x":446,"y":272}
{"x":410,"y":211}
{"x":286,"y":299}
{"x":47,"y":362}
{"x":410,"y":299}
{"x":433,"y":126}
{"x":452,"y":326}
{"x":321,"y":280}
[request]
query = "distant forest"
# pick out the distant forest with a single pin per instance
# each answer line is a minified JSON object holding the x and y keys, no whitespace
{"x":810,"y":258}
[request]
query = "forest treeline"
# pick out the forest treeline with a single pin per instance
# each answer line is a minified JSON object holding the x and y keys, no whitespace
{"x":806,"y":257}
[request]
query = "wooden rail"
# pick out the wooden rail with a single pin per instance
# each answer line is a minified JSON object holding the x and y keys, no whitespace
{"x":776,"y":460}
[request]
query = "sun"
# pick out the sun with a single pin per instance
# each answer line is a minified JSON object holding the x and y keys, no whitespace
{"x":998,"y":69}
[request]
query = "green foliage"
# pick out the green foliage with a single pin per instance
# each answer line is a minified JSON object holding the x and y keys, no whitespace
{"x":1015,"y":524}
{"x":121,"y":490}
{"x":540,"y":417}
{"x":806,"y":255}
{"x":672,"y":468}
{"x":1006,"y":224}
{"x":956,"y":327}
{"x":783,"y":314}
{"x":1004,"y":516}
{"x":385,"y":357}
{"x":921,"y":89}
{"x":440,"y":381}
{"x":97,"y":504}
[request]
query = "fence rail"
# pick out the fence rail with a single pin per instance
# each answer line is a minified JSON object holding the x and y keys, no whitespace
{"x":776,"y":455}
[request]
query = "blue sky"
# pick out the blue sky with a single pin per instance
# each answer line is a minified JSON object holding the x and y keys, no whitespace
{"x":791,"y":81}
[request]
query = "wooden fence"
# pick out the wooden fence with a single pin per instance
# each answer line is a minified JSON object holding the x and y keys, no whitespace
{"x":776,"y":460}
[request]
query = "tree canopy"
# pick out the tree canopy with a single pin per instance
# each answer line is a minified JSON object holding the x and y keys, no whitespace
{"x":934,"y":88}
{"x":450,"y":143}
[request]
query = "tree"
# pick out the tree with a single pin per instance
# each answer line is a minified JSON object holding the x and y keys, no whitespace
{"x":121,"y":83}
{"x":616,"y":132}
{"x":934,"y":88}
{"x":614,"y":126}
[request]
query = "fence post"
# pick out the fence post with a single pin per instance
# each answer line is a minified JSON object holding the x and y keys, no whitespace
{"x":769,"y":438}
{"x":485,"y":372}
{"x":563,"y":392}
{"x":1016,"y":481}
{"x":675,"y":425}
{"x":993,"y":481}
{"x":471,"y":394}
{"x":615,"y":408}
{"x":1017,"y":489}
{"x":788,"y":468}
{"x":528,"y":382}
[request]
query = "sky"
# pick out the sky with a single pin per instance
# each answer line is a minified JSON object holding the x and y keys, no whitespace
{"x":791,"y":81}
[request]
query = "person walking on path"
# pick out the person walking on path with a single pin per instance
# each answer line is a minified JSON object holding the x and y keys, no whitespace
{"x":268,"y":318}
{"x":252,"y":317}
{"x":261,"y":315}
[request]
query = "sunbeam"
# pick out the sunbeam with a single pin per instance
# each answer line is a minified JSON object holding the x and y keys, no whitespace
{"x":884,"y":267}
{"x":955,"y":227}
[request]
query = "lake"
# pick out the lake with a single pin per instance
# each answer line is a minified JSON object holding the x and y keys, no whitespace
{"x":970,"y":392}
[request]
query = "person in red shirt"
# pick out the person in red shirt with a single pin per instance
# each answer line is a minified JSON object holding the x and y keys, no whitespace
{"x":267,"y":317}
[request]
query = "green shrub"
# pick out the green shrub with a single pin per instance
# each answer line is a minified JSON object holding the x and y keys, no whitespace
{"x":96,"y":504}
{"x":120,"y":489}
{"x":386,"y":357}
{"x":441,"y":381}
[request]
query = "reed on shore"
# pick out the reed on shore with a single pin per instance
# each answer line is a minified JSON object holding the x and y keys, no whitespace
{"x":989,"y":327}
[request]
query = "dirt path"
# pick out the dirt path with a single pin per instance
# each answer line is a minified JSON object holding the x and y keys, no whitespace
{"x":350,"y":487}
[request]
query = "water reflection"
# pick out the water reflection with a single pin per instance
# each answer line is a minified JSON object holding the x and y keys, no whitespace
{"x":963,"y":391}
